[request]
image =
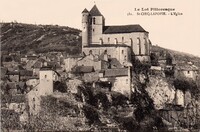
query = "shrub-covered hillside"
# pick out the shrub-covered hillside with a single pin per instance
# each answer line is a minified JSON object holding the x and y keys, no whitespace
{"x":39,"y":38}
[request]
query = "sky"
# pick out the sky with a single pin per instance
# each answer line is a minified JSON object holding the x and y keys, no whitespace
{"x":181,"y":33}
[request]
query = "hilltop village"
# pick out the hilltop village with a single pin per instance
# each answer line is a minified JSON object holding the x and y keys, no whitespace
{"x":117,"y":70}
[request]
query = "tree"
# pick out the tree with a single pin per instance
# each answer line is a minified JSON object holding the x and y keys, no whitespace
{"x":154,"y":59}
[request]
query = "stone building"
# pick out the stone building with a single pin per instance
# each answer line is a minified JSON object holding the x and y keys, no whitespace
{"x":121,"y":41}
{"x":47,"y":76}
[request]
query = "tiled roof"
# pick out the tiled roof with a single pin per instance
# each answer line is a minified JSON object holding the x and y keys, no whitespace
{"x":115,"y":63}
{"x":186,"y":67}
{"x":20,"y":98}
{"x":11,"y":85}
{"x":123,"y":29}
{"x":38,"y":63}
{"x":22,"y":84}
{"x":30,"y":63}
{"x":85,"y":11}
{"x":95,"y":11}
{"x":53,"y":64}
{"x":21,"y":73}
{"x":115,"y":72}
{"x":83,"y":69}
{"x":46,"y":68}
{"x":26,"y":73}
{"x":13,"y":73}
{"x":32,"y":57}
{"x":17,"y":68}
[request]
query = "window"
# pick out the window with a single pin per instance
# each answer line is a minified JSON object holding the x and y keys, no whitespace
{"x":131,"y":43}
{"x":122,"y":51}
{"x":90,"y":21}
{"x":93,"y":29}
{"x":188,"y":72}
{"x":125,"y":58}
{"x":108,"y":40}
{"x":33,"y":106}
{"x":126,"y":81}
{"x":45,"y":76}
{"x":33,"y":99}
{"x":139,"y":46}
{"x":122,"y":40}
{"x":146,"y":46}
{"x":94,"y":20}
{"x":115,"y":41}
{"x":101,"y":41}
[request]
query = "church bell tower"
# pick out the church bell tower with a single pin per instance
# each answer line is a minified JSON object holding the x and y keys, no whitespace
{"x":85,"y":28}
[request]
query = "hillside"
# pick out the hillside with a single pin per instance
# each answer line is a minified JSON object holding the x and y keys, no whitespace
{"x":179,"y":57}
{"x":39,"y":38}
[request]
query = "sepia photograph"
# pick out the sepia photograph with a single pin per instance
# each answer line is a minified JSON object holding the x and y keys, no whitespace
{"x":100,"y":65}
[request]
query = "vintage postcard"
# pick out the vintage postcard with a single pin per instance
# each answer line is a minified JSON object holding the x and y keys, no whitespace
{"x":100,"y":65}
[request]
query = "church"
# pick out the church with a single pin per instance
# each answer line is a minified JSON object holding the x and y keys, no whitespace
{"x":109,"y":52}
{"x":122,"y":42}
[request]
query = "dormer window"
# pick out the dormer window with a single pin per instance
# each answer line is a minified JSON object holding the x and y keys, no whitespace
{"x":94,"y":20}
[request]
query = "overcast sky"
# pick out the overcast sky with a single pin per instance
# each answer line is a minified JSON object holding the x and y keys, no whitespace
{"x":180,"y":33}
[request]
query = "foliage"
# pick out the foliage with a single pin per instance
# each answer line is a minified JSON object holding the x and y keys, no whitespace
{"x":39,"y":38}
{"x":187,"y":84}
{"x":60,"y":86}
{"x":154,"y":59}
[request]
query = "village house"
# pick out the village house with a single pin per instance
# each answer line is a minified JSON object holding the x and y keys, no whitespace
{"x":23,"y":59}
{"x":120,"y":79}
{"x":187,"y":70}
{"x":70,"y":62}
{"x":47,"y":76}
{"x":32,"y":81}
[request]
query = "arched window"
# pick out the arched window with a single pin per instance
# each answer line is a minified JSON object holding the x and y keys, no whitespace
{"x":108,"y":40}
{"x":146,"y":46}
{"x":139,"y":46}
{"x":90,"y":21}
{"x":122,"y":40}
{"x":115,"y":41}
{"x":94,"y":20}
{"x":131,"y":43}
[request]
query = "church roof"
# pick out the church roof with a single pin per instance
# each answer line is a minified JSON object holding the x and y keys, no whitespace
{"x":95,"y":11}
{"x":123,"y":29}
{"x":85,"y":11}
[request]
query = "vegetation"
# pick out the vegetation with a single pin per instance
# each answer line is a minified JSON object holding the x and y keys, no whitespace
{"x":39,"y":38}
